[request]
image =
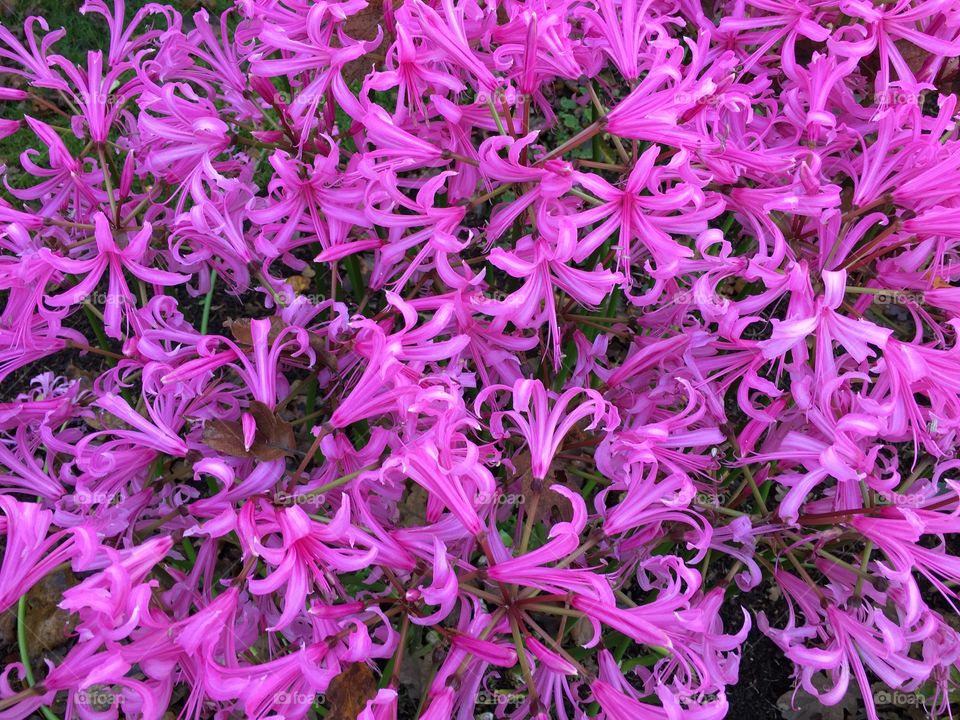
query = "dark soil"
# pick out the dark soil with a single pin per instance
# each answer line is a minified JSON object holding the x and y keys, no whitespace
{"x":74,"y":364}
{"x":765,"y":674}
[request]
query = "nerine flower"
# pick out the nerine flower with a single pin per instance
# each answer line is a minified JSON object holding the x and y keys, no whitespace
{"x":111,"y":259}
{"x":544,"y":424}
{"x":548,"y":321}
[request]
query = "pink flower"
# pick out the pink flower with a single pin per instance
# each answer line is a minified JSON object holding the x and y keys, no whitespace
{"x":545,"y":322}
{"x":543,"y":266}
{"x":30,"y":553}
{"x":646,"y":212}
{"x":443,"y":589}
{"x":306,"y":547}
{"x":827,"y":326}
{"x":113,"y":260}
{"x":544,"y":424}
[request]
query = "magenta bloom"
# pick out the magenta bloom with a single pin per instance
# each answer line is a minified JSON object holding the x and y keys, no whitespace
{"x":450,"y":359}
{"x":112,"y":260}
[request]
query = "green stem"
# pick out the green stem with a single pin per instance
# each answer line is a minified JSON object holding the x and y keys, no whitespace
{"x":356,"y":277}
{"x":207,"y":300}
{"x":333,"y":484}
{"x":524,"y":663}
{"x":25,"y":651}
{"x":576,"y":141}
{"x":102,"y":340}
{"x":864,"y":562}
{"x":109,"y":185}
{"x":586,"y":196}
{"x":189,"y":551}
{"x":496,"y":117}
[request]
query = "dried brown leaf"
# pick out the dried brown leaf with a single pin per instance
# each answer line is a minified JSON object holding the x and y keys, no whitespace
{"x":804,"y":706}
{"x":273,"y":439}
{"x":550,"y":502}
{"x":225,"y":436}
{"x":914,"y":56}
{"x":240,"y":329}
{"x":47,"y":626}
{"x":349,"y":692}
{"x":274,"y":434}
{"x":413,"y":506}
{"x":364,"y":26}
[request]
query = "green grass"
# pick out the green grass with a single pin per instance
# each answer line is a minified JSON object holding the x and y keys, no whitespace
{"x":84,"y":33}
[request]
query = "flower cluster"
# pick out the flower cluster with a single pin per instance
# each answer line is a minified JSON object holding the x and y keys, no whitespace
{"x":429,"y":358}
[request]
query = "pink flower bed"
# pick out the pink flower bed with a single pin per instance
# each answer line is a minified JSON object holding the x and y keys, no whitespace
{"x":461,"y":359}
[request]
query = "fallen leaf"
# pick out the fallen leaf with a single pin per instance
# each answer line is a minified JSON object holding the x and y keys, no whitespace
{"x":914,"y":55}
{"x":225,"y":436}
{"x":299,"y":283}
{"x":240,"y":329}
{"x":273,"y":432}
{"x":549,"y":500}
{"x":582,"y":631}
{"x":804,"y":706}
{"x":273,"y":439}
{"x":413,"y":506}
{"x":349,"y":692}
{"x":364,"y":25}
{"x":48,"y":627}
{"x":415,"y":677}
